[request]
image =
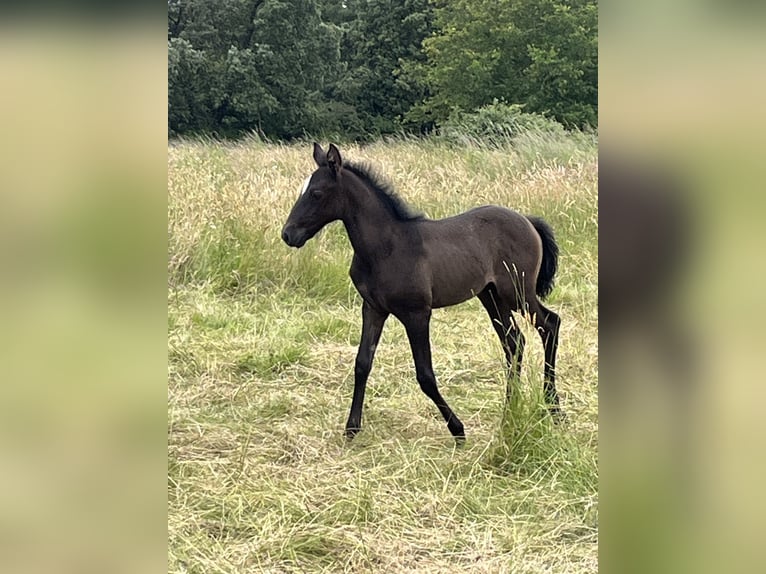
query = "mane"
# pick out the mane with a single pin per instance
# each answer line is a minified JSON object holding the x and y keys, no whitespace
{"x":384,"y":191}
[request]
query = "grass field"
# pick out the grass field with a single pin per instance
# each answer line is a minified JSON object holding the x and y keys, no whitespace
{"x":261,"y":345}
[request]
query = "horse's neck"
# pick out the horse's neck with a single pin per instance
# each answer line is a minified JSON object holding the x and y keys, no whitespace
{"x":369,"y":223}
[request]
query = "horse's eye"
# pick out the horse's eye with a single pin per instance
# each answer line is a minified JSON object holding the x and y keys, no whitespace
{"x":315,"y":193}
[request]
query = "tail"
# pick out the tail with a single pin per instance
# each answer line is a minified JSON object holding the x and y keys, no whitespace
{"x":550,"y":260}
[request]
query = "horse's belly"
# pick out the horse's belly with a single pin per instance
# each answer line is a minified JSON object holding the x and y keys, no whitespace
{"x":455,"y":285}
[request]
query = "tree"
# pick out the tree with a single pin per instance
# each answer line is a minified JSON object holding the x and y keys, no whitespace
{"x":381,"y":46}
{"x":361,"y":68}
{"x":238,"y":65}
{"x":189,"y":105}
{"x":541,"y":53}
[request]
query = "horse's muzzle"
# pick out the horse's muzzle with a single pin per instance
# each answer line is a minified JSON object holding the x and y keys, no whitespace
{"x":293,"y":237}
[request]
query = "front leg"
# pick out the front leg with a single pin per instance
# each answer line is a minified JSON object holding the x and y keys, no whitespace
{"x":372,"y":326}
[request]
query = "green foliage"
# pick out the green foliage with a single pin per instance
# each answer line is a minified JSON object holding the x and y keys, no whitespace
{"x":189,"y":75}
{"x":383,"y":44}
{"x":243,"y":100}
{"x":249,"y":65}
{"x":543,"y":53}
{"x":354,"y":69}
{"x":497,"y":124}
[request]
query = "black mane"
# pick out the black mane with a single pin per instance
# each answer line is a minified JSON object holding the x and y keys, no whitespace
{"x":385,"y":191}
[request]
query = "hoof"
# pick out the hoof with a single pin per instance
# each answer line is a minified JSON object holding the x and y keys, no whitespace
{"x":457,"y":430}
{"x":351,"y":432}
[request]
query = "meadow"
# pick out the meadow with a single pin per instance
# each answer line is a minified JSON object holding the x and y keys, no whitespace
{"x":261,"y":346}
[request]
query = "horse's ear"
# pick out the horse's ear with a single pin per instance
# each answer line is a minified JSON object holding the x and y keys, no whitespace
{"x":333,"y":158}
{"x":319,"y":155}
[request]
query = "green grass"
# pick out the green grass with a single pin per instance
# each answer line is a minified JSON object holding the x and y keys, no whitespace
{"x":261,"y":345}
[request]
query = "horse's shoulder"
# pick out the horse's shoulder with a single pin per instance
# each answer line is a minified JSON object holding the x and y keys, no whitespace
{"x":358,"y":270}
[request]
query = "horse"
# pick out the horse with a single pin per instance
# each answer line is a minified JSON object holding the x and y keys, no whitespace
{"x":406,"y":265}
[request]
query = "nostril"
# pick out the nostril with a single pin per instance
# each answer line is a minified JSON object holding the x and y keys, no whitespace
{"x":285,"y":236}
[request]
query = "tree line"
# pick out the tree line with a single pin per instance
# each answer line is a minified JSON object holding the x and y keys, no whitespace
{"x":358,"y":69}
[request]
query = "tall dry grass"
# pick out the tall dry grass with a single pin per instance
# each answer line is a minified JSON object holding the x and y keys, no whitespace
{"x":261,"y":341}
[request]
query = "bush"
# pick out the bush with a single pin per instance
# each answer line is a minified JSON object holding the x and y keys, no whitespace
{"x":497,"y":124}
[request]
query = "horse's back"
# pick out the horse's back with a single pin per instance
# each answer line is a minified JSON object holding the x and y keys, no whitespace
{"x":489,"y":225}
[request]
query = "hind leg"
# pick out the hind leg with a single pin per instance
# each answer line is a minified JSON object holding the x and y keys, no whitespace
{"x":511,"y":338}
{"x":547,"y":324}
{"x":417,"y":326}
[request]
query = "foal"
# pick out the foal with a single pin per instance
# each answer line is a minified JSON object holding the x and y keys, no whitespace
{"x":405,"y":265}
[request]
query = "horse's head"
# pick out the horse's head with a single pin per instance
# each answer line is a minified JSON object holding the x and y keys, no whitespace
{"x":320,"y":200}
